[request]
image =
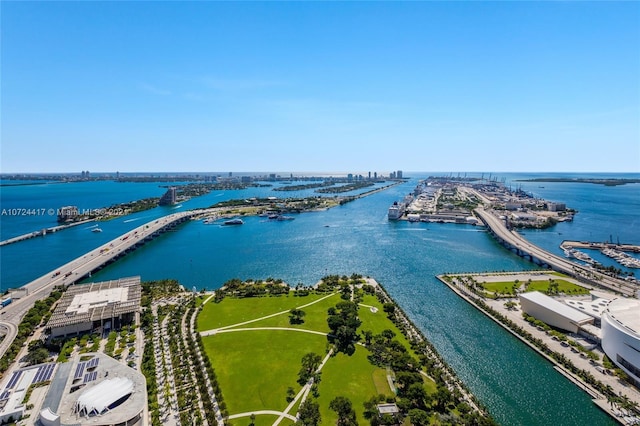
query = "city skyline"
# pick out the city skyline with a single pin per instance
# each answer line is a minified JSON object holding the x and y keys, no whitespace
{"x":505,"y":87}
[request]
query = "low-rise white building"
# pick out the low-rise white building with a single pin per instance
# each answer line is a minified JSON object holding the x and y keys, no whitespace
{"x":553,"y":312}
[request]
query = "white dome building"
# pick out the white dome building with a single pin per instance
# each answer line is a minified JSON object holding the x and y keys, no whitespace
{"x":621,"y":335}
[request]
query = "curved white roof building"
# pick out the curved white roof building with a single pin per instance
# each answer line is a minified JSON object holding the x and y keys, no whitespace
{"x":621,"y":335}
{"x":100,"y":398}
{"x":95,"y":390}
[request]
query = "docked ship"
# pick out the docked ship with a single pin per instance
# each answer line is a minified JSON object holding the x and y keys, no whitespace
{"x":622,"y":258}
{"x":396,"y":211}
{"x":577,"y":254}
{"x":233,"y":222}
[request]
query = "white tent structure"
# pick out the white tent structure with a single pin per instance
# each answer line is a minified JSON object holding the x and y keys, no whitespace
{"x":99,"y":398}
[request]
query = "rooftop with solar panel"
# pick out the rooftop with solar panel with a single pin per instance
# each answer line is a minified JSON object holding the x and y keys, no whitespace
{"x":15,"y":389}
{"x":90,"y":389}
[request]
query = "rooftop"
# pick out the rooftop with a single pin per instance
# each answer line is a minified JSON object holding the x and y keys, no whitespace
{"x":627,"y":313}
{"x":96,"y":301}
{"x":565,"y":310}
{"x":100,"y":391}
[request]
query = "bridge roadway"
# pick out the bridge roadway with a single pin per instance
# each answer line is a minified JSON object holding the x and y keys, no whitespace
{"x":514,"y":241}
{"x":81,"y":267}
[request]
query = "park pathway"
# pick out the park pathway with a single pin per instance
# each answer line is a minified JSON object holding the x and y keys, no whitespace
{"x":217,"y":330}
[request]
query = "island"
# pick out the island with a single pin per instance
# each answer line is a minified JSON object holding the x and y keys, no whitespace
{"x":600,"y":181}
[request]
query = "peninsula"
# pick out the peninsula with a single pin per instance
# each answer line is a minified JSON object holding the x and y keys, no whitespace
{"x":340,"y":350}
{"x":568,"y":323}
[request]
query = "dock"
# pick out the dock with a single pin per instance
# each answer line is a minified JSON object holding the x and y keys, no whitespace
{"x":600,"y":246}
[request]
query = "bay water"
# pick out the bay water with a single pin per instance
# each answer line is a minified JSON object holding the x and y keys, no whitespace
{"x":517,"y":386}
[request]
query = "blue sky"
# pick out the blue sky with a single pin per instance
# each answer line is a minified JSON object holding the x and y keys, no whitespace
{"x":317,"y":86}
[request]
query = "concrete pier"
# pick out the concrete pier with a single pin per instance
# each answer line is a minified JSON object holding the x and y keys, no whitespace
{"x":599,"y":246}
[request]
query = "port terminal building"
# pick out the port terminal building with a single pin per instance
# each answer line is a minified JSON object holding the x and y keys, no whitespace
{"x":612,"y":321}
{"x":96,"y":307}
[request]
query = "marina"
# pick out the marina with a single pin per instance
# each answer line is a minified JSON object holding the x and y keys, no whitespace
{"x":306,"y":247}
{"x":634,"y":248}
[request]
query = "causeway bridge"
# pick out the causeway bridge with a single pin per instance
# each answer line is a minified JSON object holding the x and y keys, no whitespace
{"x":516,"y":243}
{"x":83,"y":266}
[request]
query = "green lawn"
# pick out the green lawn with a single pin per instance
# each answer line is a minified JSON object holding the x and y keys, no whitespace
{"x":353,"y":377}
{"x":255,"y":368}
{"x":261,"y":420}
{"x":377,"y":322}
{"x":231,"y":311}
{"x":315,"y":316}
{"x":563,"y":287}
{"x":505,"y":287}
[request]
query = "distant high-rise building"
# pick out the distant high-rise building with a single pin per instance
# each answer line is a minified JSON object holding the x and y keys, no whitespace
{"x":230,"y":174}
{"x":350,"y":176}
{"x":392,"y":175}
{"x":399,"y":174}
{"x":117,"y":175}
{"x":369,"y":175}
{"x":169,"y":197}
{"x":375,"y":175}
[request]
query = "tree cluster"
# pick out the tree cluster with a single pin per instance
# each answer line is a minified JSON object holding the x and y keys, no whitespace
{"x":38,"y":314}
{"x":343,"y":322}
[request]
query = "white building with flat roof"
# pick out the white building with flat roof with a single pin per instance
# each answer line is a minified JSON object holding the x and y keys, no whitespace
{"x":553,"y":312}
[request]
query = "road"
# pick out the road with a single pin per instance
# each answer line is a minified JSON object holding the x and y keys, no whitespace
{"x":557,"y":263}
{"x":82,"y":267}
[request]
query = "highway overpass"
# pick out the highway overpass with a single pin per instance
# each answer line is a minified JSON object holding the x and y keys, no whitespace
{"x":83,"y":266}
{"x":516,"y":243}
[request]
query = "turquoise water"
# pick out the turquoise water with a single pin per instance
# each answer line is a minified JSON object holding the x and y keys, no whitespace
{"x":604,"y":214}
{"x":517,"y":386}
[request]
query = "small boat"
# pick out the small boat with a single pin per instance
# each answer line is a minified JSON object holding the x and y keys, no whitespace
{"x":233,"y":222}
{"x":96,"y":230}
{"x":280,"y":217}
